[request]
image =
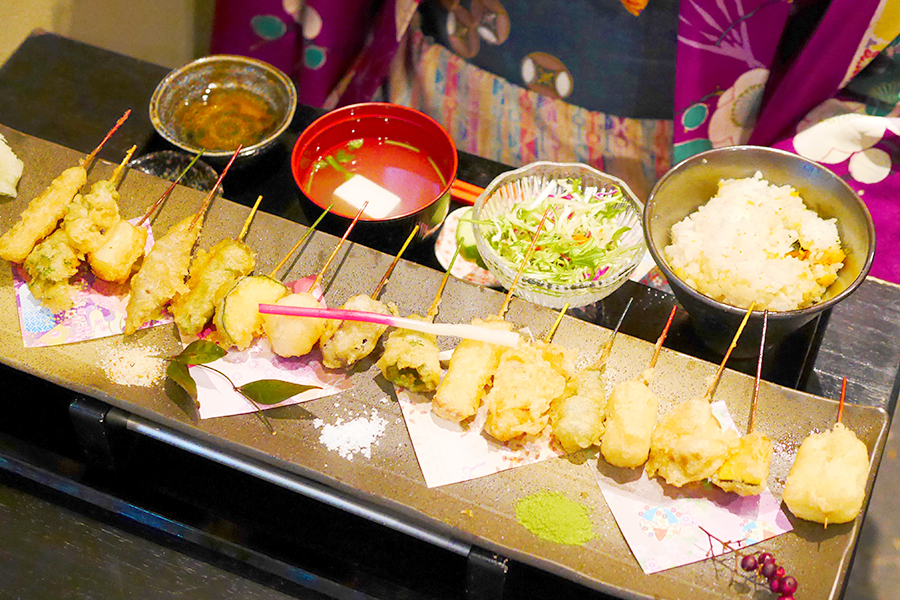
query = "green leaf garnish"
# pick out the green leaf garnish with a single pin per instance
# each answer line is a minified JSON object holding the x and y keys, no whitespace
{"x":178,"y":372}
{"x":272,"y":391}
{"x":200,"y":352}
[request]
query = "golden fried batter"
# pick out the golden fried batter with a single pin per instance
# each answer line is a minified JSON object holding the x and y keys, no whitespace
{"x":469,"y":374}
{"x":41,"y":216}
{"x":528,"y":378}
{"x":689,"y":444}
{"x":410,"y":359}
{"x":162,"y":274}
{"x":212,"y":273}
{"x":345,"y":342}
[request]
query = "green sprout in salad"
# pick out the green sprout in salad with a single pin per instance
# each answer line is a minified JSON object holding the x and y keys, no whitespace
{"x":580,"y":241}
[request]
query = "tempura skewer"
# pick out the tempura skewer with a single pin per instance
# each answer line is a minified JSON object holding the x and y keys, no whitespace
{"x":296,"y":336}
{"x":122,"y":245}
{"x":57,"y":258}
{"x":471,"y":369}
{"x":827,"y":482}
{"x":212,"y":273}
{"x":237,"y":320}
{"x":512,"y":287}
{"x":344,"y":342}
{"x":299,"y":243}
{"x":411,"y":357}
{"x":169,"y":189}
{"x":162,"y":274}
{"x":746,"y":469}
{"x":45,"y":211}
{"x":631,"y":414}
{"x":689,"y":444}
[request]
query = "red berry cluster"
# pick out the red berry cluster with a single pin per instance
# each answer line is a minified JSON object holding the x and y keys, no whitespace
{"x":764,"y":564}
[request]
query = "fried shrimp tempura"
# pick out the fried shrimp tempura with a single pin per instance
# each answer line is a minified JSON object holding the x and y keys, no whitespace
{"x":345,"y":342}
{"x":528,"y":378}
{"x":469,"y":375}
{"x":212,"y":273}
{"x":689,"y":444}
{"x":162,"y":274}
{"x":41,"y":216}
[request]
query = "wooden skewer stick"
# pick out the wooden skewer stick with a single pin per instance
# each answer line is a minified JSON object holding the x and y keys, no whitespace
{"x":89,"y":159}
{"x":759,"y":365}
{"x":198,"y":218}
{"x":119,"y":172}
{"x":841,"y":404}
{"x":549,"y":337}
{"x":302,"y":239}
{"x":334,"y":252}
{"x":390,"y":269}
{"x":252,"y":214}
{"x":515,"y":282}
{"x":607,"y":347}
{"x":662,"y":338}
{"x":169,"y":190}
{"x":436,"y":303}
{"x":715,"y":382}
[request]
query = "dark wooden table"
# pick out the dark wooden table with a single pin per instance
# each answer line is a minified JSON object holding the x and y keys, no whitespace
{"x":69,"y":93}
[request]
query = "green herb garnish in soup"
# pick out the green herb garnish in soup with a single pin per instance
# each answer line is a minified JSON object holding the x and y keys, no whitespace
{"x":399,"y":168}
{"x":580,"y":240}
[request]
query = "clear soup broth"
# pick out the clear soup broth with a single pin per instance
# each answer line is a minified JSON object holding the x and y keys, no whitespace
{"x":400,"y":168}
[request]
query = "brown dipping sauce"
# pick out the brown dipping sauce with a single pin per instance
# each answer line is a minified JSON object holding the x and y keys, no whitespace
{"x":223,"y":118}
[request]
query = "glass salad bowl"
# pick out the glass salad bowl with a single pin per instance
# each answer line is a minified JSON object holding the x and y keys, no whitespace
{"x":591,"y":240}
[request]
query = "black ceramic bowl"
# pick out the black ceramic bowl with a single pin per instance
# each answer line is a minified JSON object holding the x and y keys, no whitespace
{"x":259,"y":84}
{"x":694,"y":181}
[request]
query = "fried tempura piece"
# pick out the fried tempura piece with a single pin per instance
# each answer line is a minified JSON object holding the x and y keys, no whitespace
{"x":528,"y":378}
{"x":162,"y":274}
{"x":50,"y":264}
{"x":630,"y":420}
{"x":345,"y":342}
{"x":746,"y":469}
{"x":89,"y":215}
{"x":577,"y":417}
{"x":410,"y":359}
{"x":237,"y":318}
{"x":294,"y":336}
{"x":689,"y":444}
{"x":827,"y":481}
{"x":121,"y":247}
{"x":212,"y":273}
{"x":469,"y":374}
{"x":41,"y":216}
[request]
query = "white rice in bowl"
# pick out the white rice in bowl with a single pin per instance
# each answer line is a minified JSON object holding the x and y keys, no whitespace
{"x":756,"y":241}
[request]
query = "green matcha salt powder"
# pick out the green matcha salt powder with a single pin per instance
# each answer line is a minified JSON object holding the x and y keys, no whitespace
{"x":553,"y":517}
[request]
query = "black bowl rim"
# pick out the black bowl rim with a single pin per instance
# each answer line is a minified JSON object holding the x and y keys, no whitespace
{"x":336,"y":113}
{"x":778,"y":315}
{"x":287,"y":118}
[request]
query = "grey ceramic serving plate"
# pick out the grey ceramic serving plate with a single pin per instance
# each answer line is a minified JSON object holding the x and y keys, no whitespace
{"x":481,"y":511}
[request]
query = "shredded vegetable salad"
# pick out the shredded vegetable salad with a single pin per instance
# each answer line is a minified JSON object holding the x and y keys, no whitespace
{"x":580,"y":240}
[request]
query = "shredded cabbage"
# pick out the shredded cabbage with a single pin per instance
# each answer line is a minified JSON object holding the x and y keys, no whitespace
{"x":580,"y":240}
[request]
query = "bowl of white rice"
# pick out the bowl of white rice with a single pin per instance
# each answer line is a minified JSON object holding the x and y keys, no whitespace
{"x":746,"y":225}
